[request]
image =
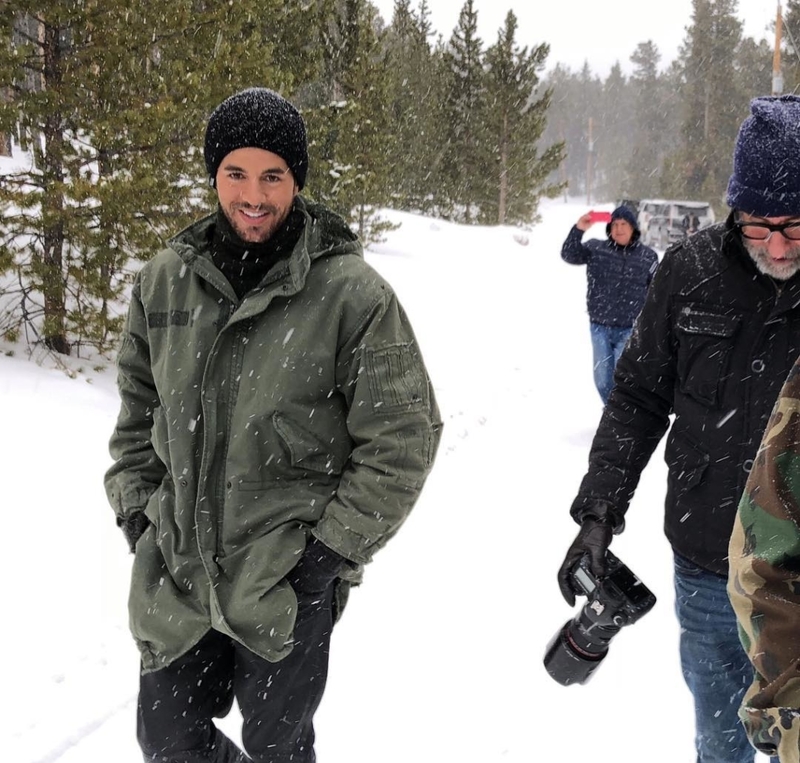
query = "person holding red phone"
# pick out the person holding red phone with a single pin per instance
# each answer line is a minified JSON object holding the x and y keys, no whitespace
{"x":618,"y":271}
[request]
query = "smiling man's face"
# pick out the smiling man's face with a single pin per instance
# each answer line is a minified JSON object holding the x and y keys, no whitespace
{"x":256,"y":189}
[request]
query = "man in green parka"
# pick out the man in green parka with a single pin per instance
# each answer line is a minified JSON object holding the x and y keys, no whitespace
{"x":277,"y":425}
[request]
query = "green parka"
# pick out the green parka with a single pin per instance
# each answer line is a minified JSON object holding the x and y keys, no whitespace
{"x":247,"y":425}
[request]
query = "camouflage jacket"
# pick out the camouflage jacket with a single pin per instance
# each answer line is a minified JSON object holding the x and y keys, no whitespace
{"x":764,"y":581}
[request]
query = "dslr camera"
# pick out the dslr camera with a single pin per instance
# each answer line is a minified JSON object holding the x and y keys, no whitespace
{"x":617,"y":599}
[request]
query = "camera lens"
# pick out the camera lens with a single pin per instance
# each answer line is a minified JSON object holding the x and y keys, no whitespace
{"x":565,"y":663}
{"x":613,"y":601}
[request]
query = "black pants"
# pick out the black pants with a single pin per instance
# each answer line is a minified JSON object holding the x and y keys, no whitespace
{"x":278,"y":700}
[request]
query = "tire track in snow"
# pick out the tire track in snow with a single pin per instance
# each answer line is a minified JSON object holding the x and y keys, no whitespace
{"x":82,"y":733}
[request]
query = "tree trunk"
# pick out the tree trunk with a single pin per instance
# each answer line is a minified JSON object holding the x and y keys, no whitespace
{"x":107,"y":264}
{"x":501,"y":203}
{"x":53,"y":287}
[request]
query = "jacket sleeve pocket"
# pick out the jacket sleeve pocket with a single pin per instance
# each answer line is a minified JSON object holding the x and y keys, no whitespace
{"x":396,"y":383}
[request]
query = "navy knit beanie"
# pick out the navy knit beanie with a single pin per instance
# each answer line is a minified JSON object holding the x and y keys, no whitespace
{"x":257,"y":118}
{"x":766,"y":159}
{"x":623,"y":213}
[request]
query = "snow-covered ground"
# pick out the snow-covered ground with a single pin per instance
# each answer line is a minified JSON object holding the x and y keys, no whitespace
{"x":439,"y":654}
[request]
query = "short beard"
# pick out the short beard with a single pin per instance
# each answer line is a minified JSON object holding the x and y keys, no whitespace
{"x":266,"y":234}
{"x":768,"y":266}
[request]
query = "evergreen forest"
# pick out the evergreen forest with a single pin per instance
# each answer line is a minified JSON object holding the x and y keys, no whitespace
{"x":110,"y":102}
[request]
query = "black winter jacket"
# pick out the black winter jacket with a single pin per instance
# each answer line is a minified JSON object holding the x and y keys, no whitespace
{"x":713,"y":345}
{"x":617,"y":277}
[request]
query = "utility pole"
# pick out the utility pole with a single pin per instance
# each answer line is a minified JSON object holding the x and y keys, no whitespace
{"x":589,"y":166}
{"x":777,"y":77}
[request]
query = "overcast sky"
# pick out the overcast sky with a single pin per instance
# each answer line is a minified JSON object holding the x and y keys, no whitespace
{"x":588,"y":30}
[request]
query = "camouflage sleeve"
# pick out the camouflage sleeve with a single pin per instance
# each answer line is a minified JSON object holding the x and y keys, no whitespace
{"x":764,"y":581}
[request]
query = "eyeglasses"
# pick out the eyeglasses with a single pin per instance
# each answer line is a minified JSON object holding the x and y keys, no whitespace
{"x":764,"y":231}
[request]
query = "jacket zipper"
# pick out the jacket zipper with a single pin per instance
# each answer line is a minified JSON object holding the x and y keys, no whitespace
{"x":240,"y":333}
{"x":219,"y":552}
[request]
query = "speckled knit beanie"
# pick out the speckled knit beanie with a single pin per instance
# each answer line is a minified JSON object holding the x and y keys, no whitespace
{"x":257,"y":118}
{"x":766,"y":159}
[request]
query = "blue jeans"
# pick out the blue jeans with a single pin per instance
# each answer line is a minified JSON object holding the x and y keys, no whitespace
{"x":608,"y":342}
{"x":715,"y":666}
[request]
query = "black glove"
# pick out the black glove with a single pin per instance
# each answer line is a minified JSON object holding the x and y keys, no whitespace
{"x":133,"y":527}
{"x":316,"y":569}
{"x":593,"y":540}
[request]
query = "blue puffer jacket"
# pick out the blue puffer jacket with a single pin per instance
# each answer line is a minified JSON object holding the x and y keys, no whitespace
{"x":617,"y":277}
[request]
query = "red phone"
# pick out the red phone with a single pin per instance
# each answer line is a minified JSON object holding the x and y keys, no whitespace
{"x":599,"y":217}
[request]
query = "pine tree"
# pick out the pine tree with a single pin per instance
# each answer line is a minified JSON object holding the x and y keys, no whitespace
{"x":790,"y":61}
{"x":112,"y":104}
{"x":754,"y":67}
{"x":576,"y":103}
{"x":614,"y":135}
{"x":713,"y":106}
{"x":415,"y":105}
{"x":349,"y":126}
{"x":644,"y":162}
{"x":515,"y":120}
{"x":467,"y":149}
{"x":566,"y":124}
{"x":657,"y":110}
{"x":590,"y":89}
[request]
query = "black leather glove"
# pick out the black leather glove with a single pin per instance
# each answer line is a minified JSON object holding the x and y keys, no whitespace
{"x":133,"y":528}
{"x":316,"y":569}
{"x":593,"y":540}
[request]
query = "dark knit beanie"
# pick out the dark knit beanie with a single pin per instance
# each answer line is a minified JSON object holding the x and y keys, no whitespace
{"x":623,"y":213}
{"x":766,"y":159}
{"x":257,"y":118}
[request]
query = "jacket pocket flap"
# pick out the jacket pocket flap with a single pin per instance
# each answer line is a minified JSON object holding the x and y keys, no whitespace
{"x":306,"y":450}
{"x":694,"y":321}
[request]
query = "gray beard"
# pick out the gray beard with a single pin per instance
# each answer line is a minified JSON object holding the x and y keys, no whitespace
{"x":766,"y":266}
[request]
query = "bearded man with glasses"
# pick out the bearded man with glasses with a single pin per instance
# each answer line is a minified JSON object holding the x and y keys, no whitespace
{"x":775,"y":255}
{"x":716,"y":338}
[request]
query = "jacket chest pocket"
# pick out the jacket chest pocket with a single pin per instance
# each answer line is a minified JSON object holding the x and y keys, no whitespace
{"x":705,"y":339}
